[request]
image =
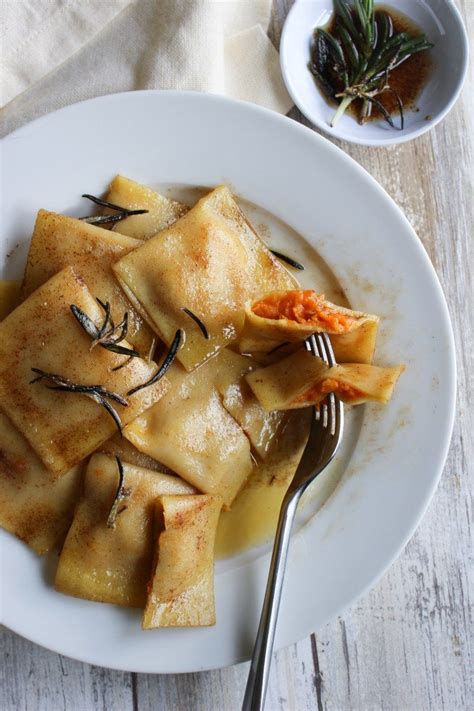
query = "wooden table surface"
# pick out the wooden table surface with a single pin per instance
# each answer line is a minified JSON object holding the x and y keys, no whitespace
{"x":406,"y":645}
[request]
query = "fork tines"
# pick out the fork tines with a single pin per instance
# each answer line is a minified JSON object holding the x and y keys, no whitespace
{"x":329,"y":411}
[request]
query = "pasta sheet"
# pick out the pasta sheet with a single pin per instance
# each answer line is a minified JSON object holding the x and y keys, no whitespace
{"x":182,"y":586}
{"x":260,"y":426}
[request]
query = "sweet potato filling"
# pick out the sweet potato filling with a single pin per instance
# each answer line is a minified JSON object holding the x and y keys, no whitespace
{"x":305,"y":307}
{"x":330,"y":385}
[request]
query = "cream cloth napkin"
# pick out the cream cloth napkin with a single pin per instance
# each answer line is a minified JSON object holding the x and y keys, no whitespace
{"x":56,"y":52}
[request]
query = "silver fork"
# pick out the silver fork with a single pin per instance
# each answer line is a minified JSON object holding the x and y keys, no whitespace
{"x":324,"y":438}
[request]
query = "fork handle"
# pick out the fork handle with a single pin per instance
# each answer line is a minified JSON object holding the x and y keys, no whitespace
{"x":257,"y":682}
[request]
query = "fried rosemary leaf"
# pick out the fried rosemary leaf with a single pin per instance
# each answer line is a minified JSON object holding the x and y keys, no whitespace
{"x":96,"y":392}
{"x":87,"y":323}
{"x":288,"y":260}
{"x":108,"y":322}
{"x":198,"y":321}
{"x":170,"y":356}
{"x":100,"y":400}
{"x":105,"y":336}
{"x":104,"y":219}
{"x":121,"y":494}
{"x":122,"y":212}
{"x":355,"y":61}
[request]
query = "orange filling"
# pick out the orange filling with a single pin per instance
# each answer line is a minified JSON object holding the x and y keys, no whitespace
{"x":329,"y":385}
{"x":305,"y":307}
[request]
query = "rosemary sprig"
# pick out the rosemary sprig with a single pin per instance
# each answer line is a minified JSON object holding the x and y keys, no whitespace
{"x":96,"y":392}
{"x":170,"y":356}
{"x":292,"y":262}
{"x":197,"y":320}
{"x":355,"y":62}
{"x":121,"y":494}
{"x":122,"y":212}
{"x":108,"y":336}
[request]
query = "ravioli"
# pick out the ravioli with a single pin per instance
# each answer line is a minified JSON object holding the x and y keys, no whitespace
{"x":182,"y":586}
{"x":294,"y":315}
{"x":33,"y":506}
{"x":113,"y":564}
{"x":162,"y":211}
{"x":210,"y":262}
{"x":301,"y":379}
{"x":59,"y":241}
{"x":191,"y":432}
{"x":9,"y":297}
{"x":64,"y":427}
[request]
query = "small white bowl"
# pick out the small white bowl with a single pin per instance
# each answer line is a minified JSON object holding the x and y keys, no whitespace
{"x":442,"y":23}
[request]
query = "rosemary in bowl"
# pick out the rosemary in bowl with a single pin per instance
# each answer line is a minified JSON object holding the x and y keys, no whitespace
{"x":354,"y":60}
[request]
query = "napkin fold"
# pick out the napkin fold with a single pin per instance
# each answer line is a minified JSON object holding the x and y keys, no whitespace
{"x":39,"y":35}
{"x":56,"y":52}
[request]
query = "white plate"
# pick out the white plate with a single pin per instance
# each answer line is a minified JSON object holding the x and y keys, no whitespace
{"x":196,"y":139}
{"x":443,"y":25}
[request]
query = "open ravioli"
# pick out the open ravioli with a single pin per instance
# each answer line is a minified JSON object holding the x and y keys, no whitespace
{"x":181,"y":592}
{"x":9,"y":297}
{"x":294,"y":315}
{"x":302,"y":379}
{"x":65,"y":427}
{"x":162,"y":211}
{"x":210,"y":262}
{"x":33,"y":506}
{"x":59,"y":241}
{"x":113,"y":564}
{"x":191,"y":432}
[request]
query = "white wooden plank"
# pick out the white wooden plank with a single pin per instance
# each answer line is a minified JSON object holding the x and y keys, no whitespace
{"x":32,"y":678}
